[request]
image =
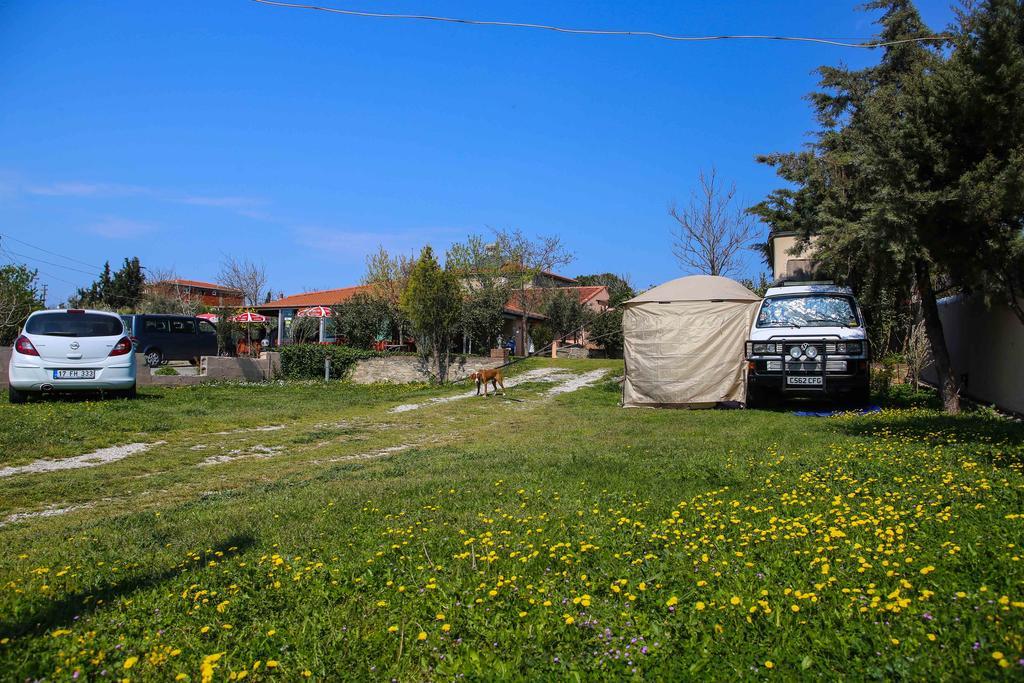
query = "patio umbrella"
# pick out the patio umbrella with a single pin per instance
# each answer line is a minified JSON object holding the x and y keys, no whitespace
{"x":315,"y":312}
{"x":212,"y":317}
{"x":322,"y":312}
{"x":248,"y":317}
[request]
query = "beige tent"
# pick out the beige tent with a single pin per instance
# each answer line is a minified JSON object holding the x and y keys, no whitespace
{"x":684,"y":342}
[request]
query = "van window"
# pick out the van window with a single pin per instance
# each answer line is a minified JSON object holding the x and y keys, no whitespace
{"x":812,"y":310}
{"x":75,"y":325}
{"x":183,"y":326}
{"x":156,"y":325}
{"x":206,"y":327}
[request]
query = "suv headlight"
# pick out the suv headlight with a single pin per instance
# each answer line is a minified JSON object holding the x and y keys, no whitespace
{"x":761,"y":347}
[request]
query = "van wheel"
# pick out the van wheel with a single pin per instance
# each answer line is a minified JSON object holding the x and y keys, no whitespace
{"x":15,"y":396}
{"x":755,"y":399}
{"x":154,"y":358}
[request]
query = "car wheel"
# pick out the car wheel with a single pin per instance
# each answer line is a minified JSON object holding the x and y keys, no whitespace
{"x":154,"y":358}
{"x":16,"y":396}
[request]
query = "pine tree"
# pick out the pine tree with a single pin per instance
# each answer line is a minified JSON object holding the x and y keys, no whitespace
{"x":432,"y":301}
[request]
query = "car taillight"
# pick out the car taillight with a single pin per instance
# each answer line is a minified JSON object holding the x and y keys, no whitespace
{"x":24,"y":346}
{"x":123,"y":346}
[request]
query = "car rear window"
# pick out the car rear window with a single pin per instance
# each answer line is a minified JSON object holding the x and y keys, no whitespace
{"x":75,"y":325}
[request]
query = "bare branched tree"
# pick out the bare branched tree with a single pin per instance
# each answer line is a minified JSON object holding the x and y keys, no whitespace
{"x":244,"y":275}
{"x":712,"y":231}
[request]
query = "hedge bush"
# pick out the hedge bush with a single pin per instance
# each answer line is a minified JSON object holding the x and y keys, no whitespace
{"x":306,"y":361}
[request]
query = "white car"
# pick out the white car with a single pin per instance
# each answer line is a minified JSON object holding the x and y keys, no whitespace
{"x":71,"y":350}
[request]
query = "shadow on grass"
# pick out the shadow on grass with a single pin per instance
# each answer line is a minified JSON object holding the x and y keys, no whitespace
{"x":88,"y":396}
{"x":979,"y":430}
{"x":62,"y":611}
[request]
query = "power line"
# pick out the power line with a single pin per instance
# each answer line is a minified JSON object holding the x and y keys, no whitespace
{"x":51,"y":253}
{"x":49,"y":263}
{"x":600,"y":32}
{"x":41,"y":272}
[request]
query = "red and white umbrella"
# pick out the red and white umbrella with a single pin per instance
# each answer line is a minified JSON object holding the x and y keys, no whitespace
{"x":248,"y":317}
{"x":212,"y":317}
{"x":315,"y":312}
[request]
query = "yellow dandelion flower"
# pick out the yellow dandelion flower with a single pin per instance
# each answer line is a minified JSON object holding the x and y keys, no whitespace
{"x":769,"y":664}
{"x":735,"y":600}
{"x":422,"y":635}
{"x":700,"y":606}
{"x":392,"y":629}
{"x":130,"y":662}
{"x":568,"y":619}
{"x":271,"y":663}
{"x":672,"y":601}
{"x":446,"y":628}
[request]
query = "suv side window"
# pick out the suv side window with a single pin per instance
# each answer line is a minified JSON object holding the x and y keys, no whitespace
{"x":206,"y":327}
{"x":183,"y":326}
{"x":156,"y":325}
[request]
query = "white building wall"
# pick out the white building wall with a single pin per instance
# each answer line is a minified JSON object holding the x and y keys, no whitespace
{"x":986,"y":347}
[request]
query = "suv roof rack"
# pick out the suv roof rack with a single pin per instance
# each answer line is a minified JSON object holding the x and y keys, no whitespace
{"x":802,"y":283}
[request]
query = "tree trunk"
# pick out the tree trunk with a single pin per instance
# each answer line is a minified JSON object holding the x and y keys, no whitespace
{"x":949,"y":384}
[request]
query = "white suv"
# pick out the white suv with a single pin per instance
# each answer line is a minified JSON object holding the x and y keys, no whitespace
{"x":71,"y":350}
{"x":808,"y":339}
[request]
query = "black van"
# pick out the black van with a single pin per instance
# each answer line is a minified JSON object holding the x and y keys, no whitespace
{"x":171,"y":337}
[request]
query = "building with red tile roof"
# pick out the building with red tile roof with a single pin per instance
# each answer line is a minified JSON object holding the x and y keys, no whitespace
{"x":208,"y":293}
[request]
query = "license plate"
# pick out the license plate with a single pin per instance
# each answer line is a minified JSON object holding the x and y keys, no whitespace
{"x":804,"y":381}
{"x":74,"y":374}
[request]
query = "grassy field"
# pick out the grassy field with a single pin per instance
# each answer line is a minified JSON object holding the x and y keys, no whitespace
{"x":286,"y":531}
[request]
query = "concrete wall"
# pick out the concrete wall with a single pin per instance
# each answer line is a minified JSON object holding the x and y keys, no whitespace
{"x":986,"y":347}
{"x":5,"y":358}
{"x":405,"y":369}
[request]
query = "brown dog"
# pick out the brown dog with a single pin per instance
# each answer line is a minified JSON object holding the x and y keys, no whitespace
{"x":493,"y":376}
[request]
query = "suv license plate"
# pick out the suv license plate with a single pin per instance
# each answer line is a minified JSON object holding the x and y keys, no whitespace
{"x":804,"y":381}
{"x":74,"y":374}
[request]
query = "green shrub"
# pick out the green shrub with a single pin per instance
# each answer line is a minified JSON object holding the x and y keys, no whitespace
{"x":166,"y":370}
{"x":306,"y":361}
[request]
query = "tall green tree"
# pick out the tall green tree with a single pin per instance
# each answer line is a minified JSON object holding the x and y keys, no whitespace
{"x":120,"y":290}
{"x":867,"y":187}
{"x":975,"y":110}
{"x":432,"y":301}
{"x":19,"y":296}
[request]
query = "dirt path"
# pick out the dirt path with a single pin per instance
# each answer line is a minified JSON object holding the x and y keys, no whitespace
{"x":538,"y":375}
{"x":94,"y":459}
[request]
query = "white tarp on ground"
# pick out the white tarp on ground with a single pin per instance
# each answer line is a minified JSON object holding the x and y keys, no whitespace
{"x":684,"y":342}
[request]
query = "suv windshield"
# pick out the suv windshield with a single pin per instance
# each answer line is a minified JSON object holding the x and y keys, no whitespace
{"x":75,"y":325}
{"x":812,"y":310}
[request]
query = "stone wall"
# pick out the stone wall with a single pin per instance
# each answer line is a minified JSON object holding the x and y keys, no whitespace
{"x":406,"y":369}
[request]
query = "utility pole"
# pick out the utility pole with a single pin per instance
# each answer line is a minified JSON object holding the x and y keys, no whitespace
{"x":44,"y":294}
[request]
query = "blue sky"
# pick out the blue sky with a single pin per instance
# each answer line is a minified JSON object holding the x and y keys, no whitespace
{"x":182,"y":131}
